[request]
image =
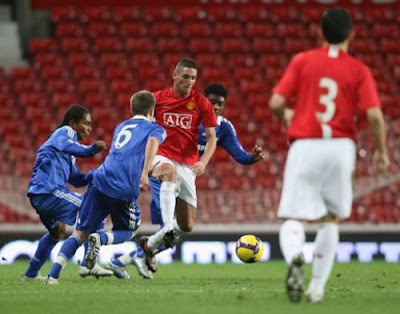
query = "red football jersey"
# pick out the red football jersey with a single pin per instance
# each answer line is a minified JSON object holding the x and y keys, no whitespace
{"x":330,"y":86}
{"x":181,"y":118}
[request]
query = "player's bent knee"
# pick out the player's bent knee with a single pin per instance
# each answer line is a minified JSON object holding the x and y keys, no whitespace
{"x":59,"y":231}
{"x":168,"y":173}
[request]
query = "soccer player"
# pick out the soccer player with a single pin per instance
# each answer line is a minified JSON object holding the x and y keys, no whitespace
{"x":225,"y":131}
{"x":329,"y":86}
{"x":114,"y":187}
{"x":54,"y":167}
{"x":180,"y":110}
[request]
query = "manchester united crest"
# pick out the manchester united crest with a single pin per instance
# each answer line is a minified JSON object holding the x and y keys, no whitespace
{"x":191,"y":105}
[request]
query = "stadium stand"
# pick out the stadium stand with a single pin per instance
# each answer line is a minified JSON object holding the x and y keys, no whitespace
{"x":100,"y":55}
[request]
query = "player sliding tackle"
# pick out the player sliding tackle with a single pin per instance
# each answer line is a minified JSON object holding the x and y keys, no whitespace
{"x":114,"y":188}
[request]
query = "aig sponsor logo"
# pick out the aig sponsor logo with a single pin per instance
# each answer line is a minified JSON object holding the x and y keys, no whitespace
{"x":183,"y":121}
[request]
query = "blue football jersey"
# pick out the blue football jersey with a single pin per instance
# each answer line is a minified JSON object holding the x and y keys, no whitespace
{"x":118,"y":177}
{"x":226,"y":138}
{"x":55,"y":162}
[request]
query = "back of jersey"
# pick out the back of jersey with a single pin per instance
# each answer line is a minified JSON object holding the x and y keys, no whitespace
{"x":119,"y":175}
{"x":330,"y":86}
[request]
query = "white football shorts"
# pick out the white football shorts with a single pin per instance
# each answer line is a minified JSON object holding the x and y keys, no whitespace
{"x":186,"y":186}
{"x":318,"y":179}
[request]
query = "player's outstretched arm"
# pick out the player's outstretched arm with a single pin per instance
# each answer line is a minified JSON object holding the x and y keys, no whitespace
{"x":377,"y":126}
{"x":150,"y":153}
{"x":209,"y":150}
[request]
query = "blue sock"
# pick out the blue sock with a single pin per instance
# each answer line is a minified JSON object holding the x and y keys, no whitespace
{"x":140,"y":252}
{"x":67,"y":251}
{"x":118,"y":237}
{"x":46,"y":244}
{"x":85,"y":246}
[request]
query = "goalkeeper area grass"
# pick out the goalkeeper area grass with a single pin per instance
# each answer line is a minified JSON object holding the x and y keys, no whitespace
{"x":207,"y":289}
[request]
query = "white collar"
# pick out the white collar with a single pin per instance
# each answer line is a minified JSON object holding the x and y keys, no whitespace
{"x":140,"y":117}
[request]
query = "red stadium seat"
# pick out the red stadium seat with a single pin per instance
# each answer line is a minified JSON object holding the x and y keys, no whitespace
{"x":102,"y":30}
{"x":60,"y":85}
{"x":96,"y":14}
{"x":283,"y":14}
{"x":165,"y":29}
{"x":39,"y":45}
{"x":140,"y":59}
{"x":70,"y":30}
{"x":260,"y":29}
{"x":170,"y":59}
{"x":39,"y":127}
{"x":33,"y":99}
{"x":49,"y":59}
{"x":107,"y":44}
{"x":87,"y":86}
{"x":171,"y":44}
{"x":248,"y":73}
{"x":248,"y":87}
{"x":361,"y":45}
{"x":23,"y":73}
{"x":229,"y":45}
{"x":119,"y":73}
{"x":5,"y":86}
{"x":152,"y":73}
{"x":124,"y":87}
{"x":158,"y":13}
{"x":251,"y":13}
{"x":113,"y":59}
{"x":294,"y":45}
{"x":104,"y":113}
{"x":385,"y":30}
{"x":376,"y":15}
{"x":143,"y":44}
{"x":214,"y":74}
{"x":71,"y":44}
{"x":97,"y":99}
{"x":222,"y":13}
{"x":64,"y":100}
{"x":269,"y":45}
{"x":155,"y":85}
{"x":390,"y":45}
{"x":200,"y":45}
{"x":313,"y":14}
{"x":209,"y":59}
{"x":53,"y":72}
{"x":128,"y":14}
{"x":292,"y":30}
{"x":81,"y":58}
{"x":231,"y":29}
{"x":191,"y":14}
{"x":26,"y":85}
{"x":38,"y":113}
{"x":197,"y":29}
{"x":274,"y":60}
{"x":87,"y":72}
{"x":133,"y":29}
{"x":11,"y":126}
{"x":64,"y":14}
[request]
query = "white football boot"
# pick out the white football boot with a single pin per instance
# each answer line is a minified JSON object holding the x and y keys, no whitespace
{"x":295,"y":279}
{"x":96,"y":271}
{"x":93,"y":250}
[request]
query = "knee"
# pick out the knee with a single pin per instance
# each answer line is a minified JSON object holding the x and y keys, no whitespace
{"x":59,"y":231}
{"x":330,"y":218}
{"x":168,"y":173}
{"x":186,"y":227}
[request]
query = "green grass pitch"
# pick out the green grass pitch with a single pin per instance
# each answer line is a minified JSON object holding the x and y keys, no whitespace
{"x":178,"y":288}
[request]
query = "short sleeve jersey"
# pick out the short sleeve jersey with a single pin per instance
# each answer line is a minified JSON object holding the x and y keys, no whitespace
{"x":181,"y":118}
{"x":329,"y":87}
{"x":119,"y":175}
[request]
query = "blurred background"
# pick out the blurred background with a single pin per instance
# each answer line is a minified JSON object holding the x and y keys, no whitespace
{"x":97,"y":53}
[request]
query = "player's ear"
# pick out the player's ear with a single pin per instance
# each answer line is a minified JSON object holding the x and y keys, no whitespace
{"x":151,"y":113}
